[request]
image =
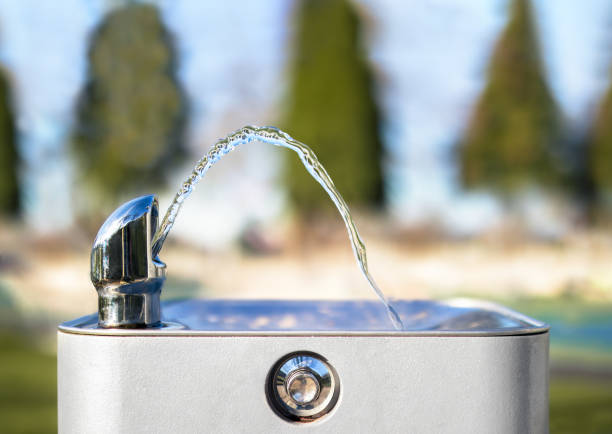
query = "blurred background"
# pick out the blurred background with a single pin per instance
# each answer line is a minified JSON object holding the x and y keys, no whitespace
{"x":472,"y":141}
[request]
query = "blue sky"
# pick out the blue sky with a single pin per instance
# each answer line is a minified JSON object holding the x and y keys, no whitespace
{"x":431,"y":56}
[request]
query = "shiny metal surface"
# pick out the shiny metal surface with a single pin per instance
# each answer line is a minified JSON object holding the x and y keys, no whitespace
{"x":123,"y":270}
{"x":459,"y":317}
{"x":303,"y":386}
{"x":216,"y":383}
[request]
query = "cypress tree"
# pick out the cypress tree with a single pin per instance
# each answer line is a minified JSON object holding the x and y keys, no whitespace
{"x":9,"y":185}
{"x":600,"y":148}
{"x":510,"y":141}
{"x":331,"y":107}
{"x":131,"y":114}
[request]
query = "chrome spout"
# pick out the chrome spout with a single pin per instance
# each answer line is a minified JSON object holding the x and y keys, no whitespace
{"x":124,"y":271}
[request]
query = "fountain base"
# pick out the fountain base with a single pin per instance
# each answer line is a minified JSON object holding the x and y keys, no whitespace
{"x":460,"y":366}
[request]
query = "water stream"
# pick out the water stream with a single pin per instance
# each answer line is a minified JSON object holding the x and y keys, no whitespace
{"x":276,"y":137}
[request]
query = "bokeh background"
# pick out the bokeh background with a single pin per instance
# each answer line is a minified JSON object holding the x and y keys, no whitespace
{"x":472,"y":140}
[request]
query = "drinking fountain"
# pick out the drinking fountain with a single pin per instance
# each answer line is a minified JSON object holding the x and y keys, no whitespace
{"x":266,"y":366}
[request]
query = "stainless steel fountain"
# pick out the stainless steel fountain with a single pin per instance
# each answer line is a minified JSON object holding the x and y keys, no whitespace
{"x":195,"y":366}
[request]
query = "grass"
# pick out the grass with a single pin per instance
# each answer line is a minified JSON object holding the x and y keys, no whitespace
{"x":580,"y":405}
{"x":28,"y":397}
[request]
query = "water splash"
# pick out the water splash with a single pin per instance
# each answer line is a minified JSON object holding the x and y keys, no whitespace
{"x":276,"y":137}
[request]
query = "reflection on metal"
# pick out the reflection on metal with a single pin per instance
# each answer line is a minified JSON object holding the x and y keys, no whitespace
{"x":303,"y":387}
{"x":126,"y":275}
{"x":282,"y":317}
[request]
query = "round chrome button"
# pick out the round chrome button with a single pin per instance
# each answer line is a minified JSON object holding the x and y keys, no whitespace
{"x":303,"y":387}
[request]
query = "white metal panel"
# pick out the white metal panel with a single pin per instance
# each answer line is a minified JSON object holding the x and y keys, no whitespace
{"x":185,"y":384}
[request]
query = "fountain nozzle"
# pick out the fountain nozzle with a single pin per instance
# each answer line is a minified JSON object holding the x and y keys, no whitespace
{"x":124,"y":271}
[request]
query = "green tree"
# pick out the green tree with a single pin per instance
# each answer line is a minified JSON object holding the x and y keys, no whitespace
{"x":131,"y":114}
{"x":9,"y":185}
{"x":331,"y":107}
{"x":600,"y":147}
{"x":512,"y":139}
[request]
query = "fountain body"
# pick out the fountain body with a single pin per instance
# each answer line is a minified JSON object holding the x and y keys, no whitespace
{"x":283,"y":366}
{"x":457,"y":367}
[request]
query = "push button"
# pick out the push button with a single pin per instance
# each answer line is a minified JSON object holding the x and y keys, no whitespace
{"x":303,"y":387}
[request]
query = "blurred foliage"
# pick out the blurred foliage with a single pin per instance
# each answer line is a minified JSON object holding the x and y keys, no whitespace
{"x":331,"y":107}
{"x":132,"y":113}
{"x":580,"y":405}
{"x":9,"y":185}
{"x":600,"y":146}
{"x":28,"y":387}
{"x":508,"y":145}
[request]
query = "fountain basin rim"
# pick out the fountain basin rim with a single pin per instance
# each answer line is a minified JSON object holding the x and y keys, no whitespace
{"x":227,"y":318}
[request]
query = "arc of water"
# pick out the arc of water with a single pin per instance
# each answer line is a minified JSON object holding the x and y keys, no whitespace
{"x":276,"y":137}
